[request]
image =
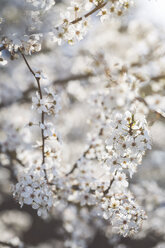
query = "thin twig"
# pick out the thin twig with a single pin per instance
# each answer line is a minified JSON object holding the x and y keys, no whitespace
{"x":76,"y":164}
{"x":110,"y":185}
{"x":42,"y":114}
{"x":65,"y":80}
{"x":159,"y":77}
{"x":13,"y":156}
{"x":107,"y":190}
{"x":140,"y":99}
{"x":6,"y":244}
{"x":84,"y":154}
{"x":89,"y":13}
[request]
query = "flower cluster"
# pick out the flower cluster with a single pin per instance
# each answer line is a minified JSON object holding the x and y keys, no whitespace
{"x":116,"y":95}
{"x":71,"y":26}
{"x":83,"y":185}
{"x":32,"y":189}
{"x":74,"y":23}
{"x":70,"y":32}
{"x":94,"y":191}
{"x":114,"y":8}
{"x":100,"y":184}
{"x":27,"y":44}
{"x":127,"y":144}
{"x":126,"y":216}
{"x":50,"y":104}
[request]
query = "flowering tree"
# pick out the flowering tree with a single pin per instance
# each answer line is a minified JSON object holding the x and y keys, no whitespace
{"x":82,"y":176}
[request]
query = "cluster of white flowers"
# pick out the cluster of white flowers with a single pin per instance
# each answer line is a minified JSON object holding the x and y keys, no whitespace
{"x":71,"y":27}
{"x":116,"y":94}
{"x":32,"y":189}
{"x":121,"y":91}
{"x":50,"y":104}
{"x":75,"y":23}
{"x":70,"y":32}
{"x":97,"y":186}
{"x":125,"y":82}
{"x":27,"y":44}
{"x":108,"y":191}
{"x":114,"y":8}
{"x":126,"y":216}
{"x":128,"y":142}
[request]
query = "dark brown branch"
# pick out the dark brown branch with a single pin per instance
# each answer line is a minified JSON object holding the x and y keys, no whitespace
{"x":84,"y":154}
{"x":159,"y":77}
{"x":13,"y":156}
{"x":76,"y":164}
{"x":43,"y":114}
{"x":110,"y":185}
{"x":30,"y":69}
{"x":63,"y":81}
{"x":6,"y":244}
{"x":140,"y":99}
